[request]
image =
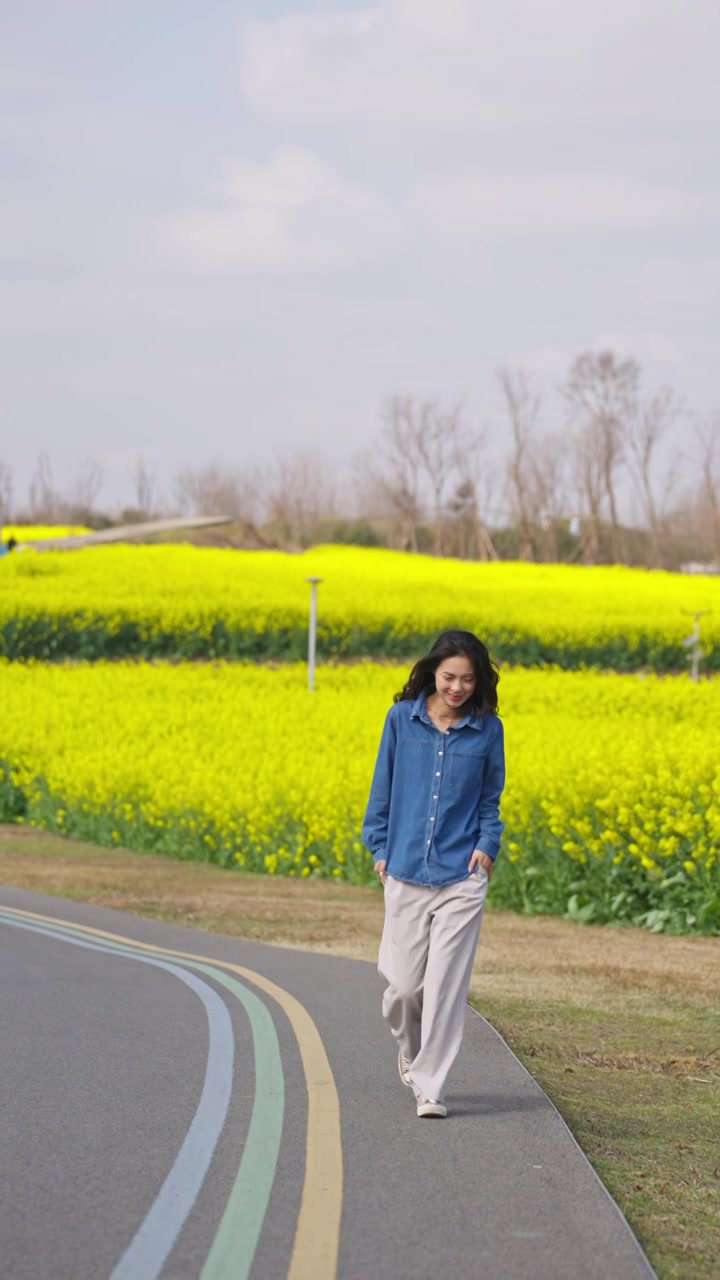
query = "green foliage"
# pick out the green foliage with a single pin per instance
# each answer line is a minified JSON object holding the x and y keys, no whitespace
{"x":543,"y":883}
{"x":74,"y":635}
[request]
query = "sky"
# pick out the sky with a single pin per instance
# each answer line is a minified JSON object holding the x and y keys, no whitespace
{"x":228,"y":231}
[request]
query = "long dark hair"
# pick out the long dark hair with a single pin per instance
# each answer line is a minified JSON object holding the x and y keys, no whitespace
{"x":454,"y":644}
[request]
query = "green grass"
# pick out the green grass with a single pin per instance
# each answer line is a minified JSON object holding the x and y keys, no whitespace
{"x":640,"y":1093}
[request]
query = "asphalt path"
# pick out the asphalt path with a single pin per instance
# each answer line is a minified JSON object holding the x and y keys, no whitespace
{"x":185,"y":1105}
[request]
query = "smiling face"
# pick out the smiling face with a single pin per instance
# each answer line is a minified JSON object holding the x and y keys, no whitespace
{"x":455,"y":681}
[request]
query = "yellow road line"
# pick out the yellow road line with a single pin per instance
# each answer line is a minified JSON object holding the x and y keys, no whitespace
{"x":317,"y":1234}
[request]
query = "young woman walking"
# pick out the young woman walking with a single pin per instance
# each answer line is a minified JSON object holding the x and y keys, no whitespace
{"x":432,"y":825}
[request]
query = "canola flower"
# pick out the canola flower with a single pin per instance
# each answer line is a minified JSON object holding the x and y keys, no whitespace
{"x":612,"y":805}
{"x":39,"y":532}
{"x":187,"y":602}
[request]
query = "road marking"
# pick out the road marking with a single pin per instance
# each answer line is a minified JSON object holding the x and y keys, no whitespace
{"x":317,"y":1235}
{"x":236,"y":1240}
{"x":154,"y":1240}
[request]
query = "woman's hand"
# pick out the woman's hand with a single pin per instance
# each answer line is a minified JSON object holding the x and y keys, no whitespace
{"x":480,"y":859}
{"x":380,"y":870}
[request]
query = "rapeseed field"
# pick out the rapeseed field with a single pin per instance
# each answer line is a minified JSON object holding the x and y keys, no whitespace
{"x":39,"y":532}
{"x":187,"y":602}
{"x":612,"y":803}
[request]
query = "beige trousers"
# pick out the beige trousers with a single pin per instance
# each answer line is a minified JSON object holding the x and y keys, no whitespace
{"x":426,"y":956}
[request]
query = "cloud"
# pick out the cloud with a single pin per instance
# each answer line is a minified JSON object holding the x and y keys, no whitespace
{"x":305,"y":63}
{"x":463,"y":63}
{"x":292,"y":179}
{"x":393,"y":92}
{"x":442,"y":26}
{"x":289,"y":215}
{"x":526,"y":203}
{"x":395,"y":64}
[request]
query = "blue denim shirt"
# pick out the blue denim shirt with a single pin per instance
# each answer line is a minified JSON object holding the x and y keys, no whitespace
{"x":435,"y":796}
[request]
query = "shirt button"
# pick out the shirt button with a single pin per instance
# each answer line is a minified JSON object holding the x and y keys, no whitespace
{"x":437,"y":775}
{"x":439,"y":753}
{"x":434,"y":797}
{"x":428,"y":841}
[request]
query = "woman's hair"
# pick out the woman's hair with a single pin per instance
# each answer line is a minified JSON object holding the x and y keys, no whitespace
{"x":454,"y":644}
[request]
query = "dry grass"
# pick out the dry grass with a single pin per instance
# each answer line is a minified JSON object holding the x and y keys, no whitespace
{"x":619,"y":1026}
{"x":562,"y":959}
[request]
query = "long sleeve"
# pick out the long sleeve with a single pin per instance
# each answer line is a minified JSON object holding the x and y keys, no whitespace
{"x":377,"y":814}
{"x":490,"y":827}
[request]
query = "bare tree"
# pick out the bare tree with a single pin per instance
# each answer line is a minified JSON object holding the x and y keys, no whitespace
{"x":218,"y":490}
{"x":416,"y":455}
{"x":43,"y":501}
{"x":522,"y":402}
{"x":474,"y":484}
{"x":85,"y":486}
{"x":436,"y":433}
{"x":145,"y":478}
{"x":602,"y":393}
{"x":6,"y":492}
{"x":588,"y":468}
{"x":652,"y":422}
{"x":548,"y":471}
{"x":709,"y":438}
{"x":300,"y":497}
{"x":393,"y":471}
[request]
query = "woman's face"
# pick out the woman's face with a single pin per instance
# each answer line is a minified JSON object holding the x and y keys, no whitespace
{"x":455,"y":680}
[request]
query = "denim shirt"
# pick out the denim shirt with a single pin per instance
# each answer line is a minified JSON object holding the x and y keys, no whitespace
{"x":435,"y":796}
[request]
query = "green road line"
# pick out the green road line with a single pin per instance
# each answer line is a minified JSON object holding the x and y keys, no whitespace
{"x":236,"y":1240}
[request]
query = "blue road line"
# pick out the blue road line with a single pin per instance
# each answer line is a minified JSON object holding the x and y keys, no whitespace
{"x":153,"y":1242}
{"x":236,"y":1240}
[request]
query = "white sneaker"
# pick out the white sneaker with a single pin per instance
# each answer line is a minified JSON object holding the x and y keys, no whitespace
{"x":427,"y":1107}
{"x":404,"y":1069}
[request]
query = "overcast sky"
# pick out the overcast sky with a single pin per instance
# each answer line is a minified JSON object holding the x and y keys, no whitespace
{"x":229,"y":229}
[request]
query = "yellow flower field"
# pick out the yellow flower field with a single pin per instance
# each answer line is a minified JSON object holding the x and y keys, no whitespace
{"x":185,"y":602}
{"x":39,"y":532}
{"x":612,"y":805}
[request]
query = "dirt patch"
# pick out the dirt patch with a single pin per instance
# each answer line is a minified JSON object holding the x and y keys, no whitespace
{"x":542,"y":957}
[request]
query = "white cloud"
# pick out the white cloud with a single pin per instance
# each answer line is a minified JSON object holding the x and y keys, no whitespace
{"x":292,"y":179}
{"x":462,"y":62}
{"x":447,"y":25}
{"x":469,"y":183}
{"x":290,"y":215}
{"x":304,"y":62}
{"x":567,"y":203}
{"x":383,"y":65}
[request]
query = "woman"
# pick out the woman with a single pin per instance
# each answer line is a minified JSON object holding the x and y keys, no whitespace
{"x":432,"y":825}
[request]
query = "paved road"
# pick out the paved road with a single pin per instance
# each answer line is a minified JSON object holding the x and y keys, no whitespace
{"x":179,"y":1104}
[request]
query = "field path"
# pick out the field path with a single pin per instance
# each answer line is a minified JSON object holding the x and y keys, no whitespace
{"x":181,"y":1104}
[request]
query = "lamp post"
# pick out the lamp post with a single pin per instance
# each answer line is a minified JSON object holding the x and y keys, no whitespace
{"x":693,"y":644}
{"x":312,"y":632}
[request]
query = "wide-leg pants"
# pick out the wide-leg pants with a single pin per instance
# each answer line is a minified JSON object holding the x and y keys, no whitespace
{"x":426,"y":956}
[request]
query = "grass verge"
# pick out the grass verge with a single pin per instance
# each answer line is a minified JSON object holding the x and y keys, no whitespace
{"x":619,"y":1026}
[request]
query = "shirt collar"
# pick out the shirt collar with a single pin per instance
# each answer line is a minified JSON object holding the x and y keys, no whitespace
{"x":473,"y":719}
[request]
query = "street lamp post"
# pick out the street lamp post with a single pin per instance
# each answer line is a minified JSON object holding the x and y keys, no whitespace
{"x":312,"y":632}
{"x":693,"y":644}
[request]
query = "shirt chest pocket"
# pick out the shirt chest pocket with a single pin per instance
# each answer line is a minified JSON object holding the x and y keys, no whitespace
{"x":465,"y":771}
